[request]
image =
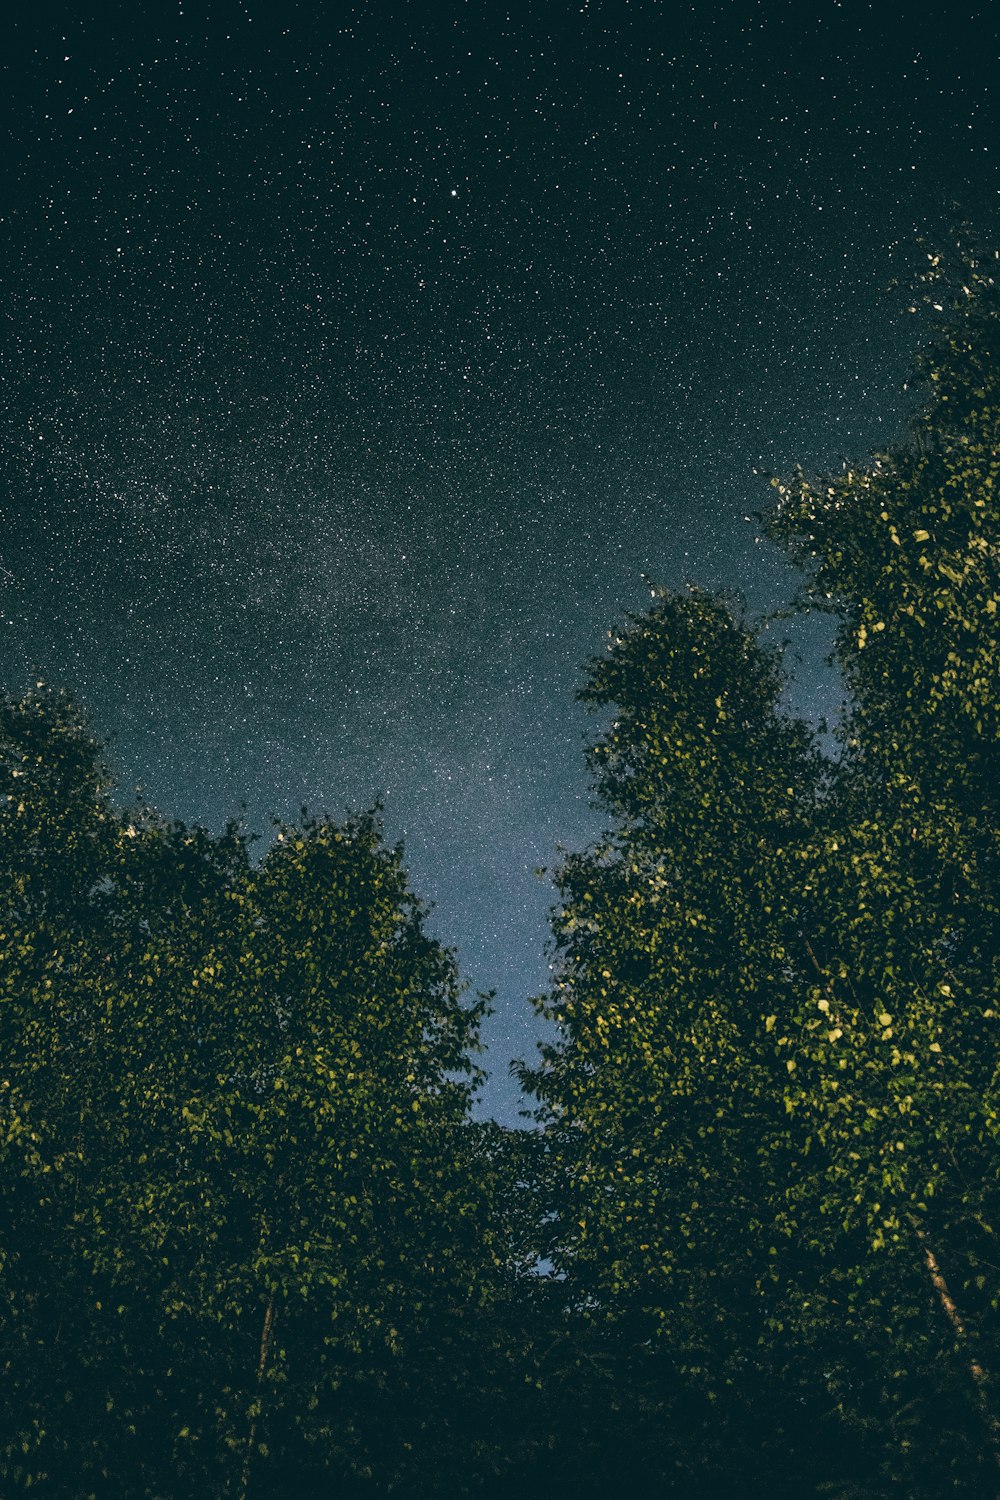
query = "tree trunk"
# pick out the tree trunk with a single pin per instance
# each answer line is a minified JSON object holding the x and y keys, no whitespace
{"x":266,"y":1334}
{"x":980,"y":1377}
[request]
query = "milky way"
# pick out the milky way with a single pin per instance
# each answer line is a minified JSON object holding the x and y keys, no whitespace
{"x":360,"y":361}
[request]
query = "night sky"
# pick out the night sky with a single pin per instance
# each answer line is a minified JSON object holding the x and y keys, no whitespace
{"x":359,"y":360}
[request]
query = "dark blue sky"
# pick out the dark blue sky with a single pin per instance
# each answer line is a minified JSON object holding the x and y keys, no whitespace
{"x":358,"y":361}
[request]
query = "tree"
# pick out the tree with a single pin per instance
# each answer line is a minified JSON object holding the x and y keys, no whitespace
{"x":60,"y":840}
{"x":676,"y":945}
{"x":241,"y":1188}
{"x":904,"y":552}
{"x":772,"y":1111}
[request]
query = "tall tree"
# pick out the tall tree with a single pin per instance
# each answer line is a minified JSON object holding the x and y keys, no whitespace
{"x":244,"y":1201}
{"x":676,"y":944}
{"x":772,"y":1113}
{"x":905,"y":551}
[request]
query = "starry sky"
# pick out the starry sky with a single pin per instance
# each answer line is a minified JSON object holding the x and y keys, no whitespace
{"x":359,"y":360}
